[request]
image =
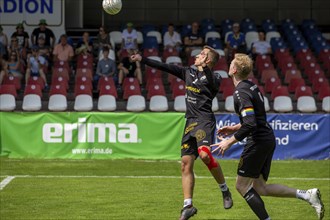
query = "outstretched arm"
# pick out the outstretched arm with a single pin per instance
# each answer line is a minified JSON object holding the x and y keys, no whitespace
{"x":170,"y":68}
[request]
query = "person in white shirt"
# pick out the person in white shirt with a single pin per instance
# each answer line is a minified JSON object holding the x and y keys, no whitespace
{"x":129,"y":39}
{"x":172,"y":39}
{"x":261,"y":47}
{"x":35,"y":65}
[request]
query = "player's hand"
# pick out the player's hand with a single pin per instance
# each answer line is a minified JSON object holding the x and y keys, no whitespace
{"x":225,"y":131}
{"x":221,"y":146}
{"x":136,"y":57}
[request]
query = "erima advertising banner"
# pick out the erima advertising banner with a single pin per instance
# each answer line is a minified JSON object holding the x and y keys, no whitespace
{"x":298,"y":136}
{"x":91,"y":135}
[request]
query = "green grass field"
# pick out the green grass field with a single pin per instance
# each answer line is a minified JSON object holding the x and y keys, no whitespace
{"x":137,"y":189}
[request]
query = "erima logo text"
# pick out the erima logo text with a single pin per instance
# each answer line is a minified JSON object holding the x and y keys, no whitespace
{"x":90,"y":132}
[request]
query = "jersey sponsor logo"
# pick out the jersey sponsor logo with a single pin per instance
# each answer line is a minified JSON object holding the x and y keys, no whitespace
{"x":247,"y":111}
{"x":190,"y":127}
{"x":193,"y":89}
{"x":200,"y":135}
{"x":185,"y":146}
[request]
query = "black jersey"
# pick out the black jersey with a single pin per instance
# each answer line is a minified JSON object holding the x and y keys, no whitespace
{"x":249,"y":105}
{"x":201,"y":87}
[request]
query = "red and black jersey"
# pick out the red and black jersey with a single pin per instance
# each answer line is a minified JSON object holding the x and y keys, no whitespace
{"x":249,"y":105}
{"x":201,"y":87}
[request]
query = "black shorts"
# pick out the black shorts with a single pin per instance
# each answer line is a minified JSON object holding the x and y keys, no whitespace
{"x":256,"y":159}
{"x":196,"y":134}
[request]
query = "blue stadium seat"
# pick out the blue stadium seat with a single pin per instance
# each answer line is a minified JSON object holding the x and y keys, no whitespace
{"x":150,"y":42}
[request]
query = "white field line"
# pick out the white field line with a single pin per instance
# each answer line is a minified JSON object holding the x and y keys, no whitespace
{"x":6,"y":181}
{"x":153,"y":177}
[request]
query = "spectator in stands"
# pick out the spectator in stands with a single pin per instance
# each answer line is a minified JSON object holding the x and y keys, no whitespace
{"x":14,"y":65}
{"x":172,"y":39}
{"x":23,"y":39}
{"x":129,"y":39}
{"x":35,"y":65}
{"x":3,"y":42}
{"x":85,"y":41}
{"x":3,"y":69}
{"x":261,"y":47}
{"x":63,"y":51}
{"x":14,"y":46}
{"x":44,"y":50}
{"x":235,"y":42}
{"x":47,"y":33}
{"x":129,"y":68}
{"x":193,"y":40}
{"x":103,"y":38}
{"x":105,"y":67}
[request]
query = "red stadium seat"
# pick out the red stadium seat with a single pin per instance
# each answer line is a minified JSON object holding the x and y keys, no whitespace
{"x":85,"y":61}
{"x":178,"y":89}
{"x":323,"y":92}
{"x":147,"y":52}
{"x":169,"y":52}
{"x":303,"y":91}
{"x":62,"y":64}
{"x":57,"y":72}
{"x":105,"y":80}
{"x":228,"y":91}
{"x":60,"y":81}
{"x":221,"y":65}
{"x":84,"y":72}
{"x":225,"y":83}
{"x":130,"y":90}
{"x":128,"y":81}
{"x":280,"y":53}
{"x":261,"y":59}
{"x":36,"y":80}
{"x":294,"y":83}
{"x":265,"y":66}
{"x":83,"y":80}
{"x":153,"y":81}
{"x":267,"y":74}
{"x":108,"y":89}
{"x":272,"y":83}
{"x":11,"y":80}
{"x":279,"y":91}
{"x":81,"y":89}
{"x":290,"y":74}
{"x":318,"y":82}
{"x":156,"y":89}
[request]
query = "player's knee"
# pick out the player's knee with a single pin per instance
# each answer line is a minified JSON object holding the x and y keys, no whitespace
{"x":186,"y":166}
{"x":206,"y":155}
{"x":242,"y":188}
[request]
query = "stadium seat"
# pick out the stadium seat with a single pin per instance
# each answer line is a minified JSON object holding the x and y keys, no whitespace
{"x":281,"y":53}
{"x":221,"y":52}
{"x":279,"y":91}
{"x":221,"y":73}
{"x":157,"y":58}
{"x":57,"y":98}
{"x":136,"y":103}
{"x":272,"y":34}
{"x":326,"y":104}
{"x":150,"y":52}
{"x":107,"y":97}
{"x":261,"y":59}
{"x":85,"y":61}
{"x":60,"y":72}
{"x":306,"y":104}
{"x":294,"y":83}
{"x":84,"y":72}
{"x":180,"y":103}
{"x":83,"y":98}
{"x":291,"y":74}
{"x":151,"y":73}
{"x":36,"y":80}
{"x":221,"y":64}
{"x":215,"y":104}
{"x":212,"y":34}
{"x":128,"y":81}
{"x":116,"y":36}
{"x":131,"y":90}
{"x":173,"y":60}
{"x":11,"y":80}
{"x":282,"y":104}
{"x":226,"y":83}
{"x":60,"y":81}
{"x":7,"y":97}
{"x":265,"y":66}
{"x":32,"y":98}
{"x":323,"y":92}
{"x":303,"y":91}
{"x":229,"y":104}
{"x":228,"y":91}
{"x":318,"y":82}
{"x":169,"y":52}
{"x":250,"y":38}
{"x":156,"y":34}
{"x":156,"y":89}
{"x":158,"y":103}
{"x":83,"y":80}
{"x":104,"y":81}
{"x":267,"y":74}
{"x":62,"y":65}
{"x":140,"y":37}
{"x":150,"y":42}
{"x":195,"y":52}
{"x":178,"y":89}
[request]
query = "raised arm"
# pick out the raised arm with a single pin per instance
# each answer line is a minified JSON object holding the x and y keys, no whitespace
{"x":177,"y":71}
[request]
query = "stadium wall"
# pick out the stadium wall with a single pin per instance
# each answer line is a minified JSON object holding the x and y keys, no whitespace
{"x":99,"y":135}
